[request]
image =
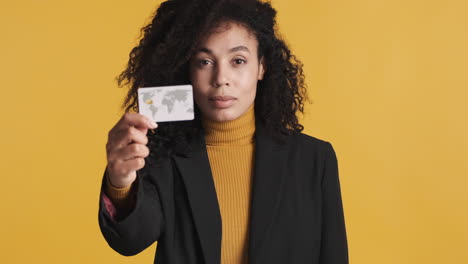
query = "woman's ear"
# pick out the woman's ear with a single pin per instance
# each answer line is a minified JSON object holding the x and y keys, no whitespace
{"x":261,"y":68}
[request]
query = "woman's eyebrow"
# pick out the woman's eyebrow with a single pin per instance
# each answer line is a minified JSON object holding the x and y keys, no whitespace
{"x":238,"y":48}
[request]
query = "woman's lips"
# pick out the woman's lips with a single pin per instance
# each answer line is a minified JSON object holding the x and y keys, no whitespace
{"x":222,"y":101}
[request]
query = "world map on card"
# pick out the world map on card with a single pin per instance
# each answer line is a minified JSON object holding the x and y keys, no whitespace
{"x":166,"y":103}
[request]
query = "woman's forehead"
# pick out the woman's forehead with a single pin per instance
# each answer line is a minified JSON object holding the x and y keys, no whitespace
{"x":230,"y":37}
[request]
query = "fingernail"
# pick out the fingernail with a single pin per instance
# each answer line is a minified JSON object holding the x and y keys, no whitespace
{"x":152,"y":124}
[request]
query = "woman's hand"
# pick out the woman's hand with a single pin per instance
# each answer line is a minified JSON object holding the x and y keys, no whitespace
{"x":126,"y":148}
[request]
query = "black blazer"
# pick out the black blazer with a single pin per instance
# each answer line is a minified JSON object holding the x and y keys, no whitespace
{"x":296,"y":208}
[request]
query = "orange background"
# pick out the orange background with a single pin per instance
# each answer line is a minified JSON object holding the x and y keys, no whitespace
{"x":389,"y":85}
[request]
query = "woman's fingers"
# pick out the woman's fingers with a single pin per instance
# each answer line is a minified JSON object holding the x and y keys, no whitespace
{"x":126,"y":148}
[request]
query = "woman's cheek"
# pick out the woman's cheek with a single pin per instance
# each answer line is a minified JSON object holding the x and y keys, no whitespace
{"x":248,"y":80}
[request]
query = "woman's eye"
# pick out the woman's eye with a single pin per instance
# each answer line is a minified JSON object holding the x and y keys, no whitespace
{"x":204,"y":62}
{"x":239,"y":61}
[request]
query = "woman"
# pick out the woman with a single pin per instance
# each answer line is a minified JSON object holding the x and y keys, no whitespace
{"x":240,"y":183}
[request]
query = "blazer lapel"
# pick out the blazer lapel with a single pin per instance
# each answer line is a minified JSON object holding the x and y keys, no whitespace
{"x":196,"y":173}
{"x":268,"y":177}
{"x":269,"y":174}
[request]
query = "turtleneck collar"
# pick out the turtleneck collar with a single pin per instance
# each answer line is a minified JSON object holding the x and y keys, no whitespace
{"x":235,"y":132}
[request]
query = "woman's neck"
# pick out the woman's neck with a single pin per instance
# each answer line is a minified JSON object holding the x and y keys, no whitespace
{"x":235,"y":132}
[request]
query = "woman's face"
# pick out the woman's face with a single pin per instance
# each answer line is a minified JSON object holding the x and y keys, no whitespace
{"x":224,"y":72}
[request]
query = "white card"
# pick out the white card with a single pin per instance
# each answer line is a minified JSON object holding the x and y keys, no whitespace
{"x":166,"y":103}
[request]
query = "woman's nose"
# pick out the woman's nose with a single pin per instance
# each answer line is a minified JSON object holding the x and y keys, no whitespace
{"x":221,"y":76}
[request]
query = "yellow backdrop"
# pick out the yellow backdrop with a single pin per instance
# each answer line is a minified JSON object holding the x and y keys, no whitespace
{"x":388,"y":80}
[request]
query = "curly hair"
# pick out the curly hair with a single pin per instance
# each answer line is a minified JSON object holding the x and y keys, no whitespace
{"x":162,"y":58}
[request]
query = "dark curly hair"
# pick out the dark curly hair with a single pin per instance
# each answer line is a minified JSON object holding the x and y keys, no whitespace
{"x":162,"y":58}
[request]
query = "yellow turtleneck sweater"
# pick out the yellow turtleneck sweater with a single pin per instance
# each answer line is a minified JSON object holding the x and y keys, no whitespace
{"x":230,"y":146}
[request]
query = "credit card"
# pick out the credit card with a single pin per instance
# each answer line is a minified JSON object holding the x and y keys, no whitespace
{"x":166,"y":103}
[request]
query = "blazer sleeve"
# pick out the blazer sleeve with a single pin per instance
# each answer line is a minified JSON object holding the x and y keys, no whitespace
{"x":138,"y":228}
{"x":334,"y":245}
